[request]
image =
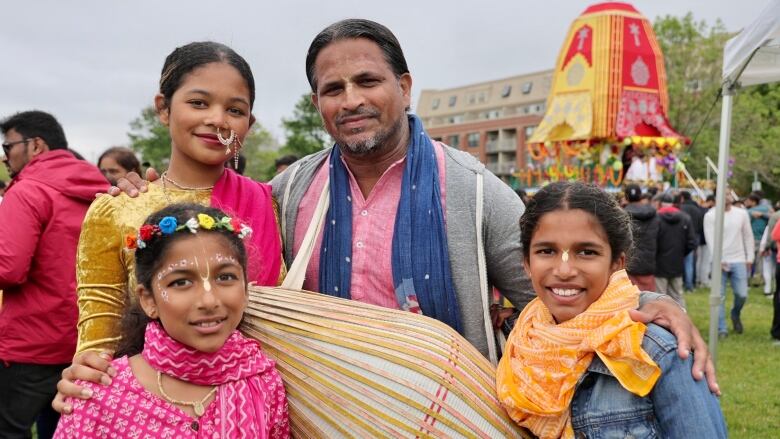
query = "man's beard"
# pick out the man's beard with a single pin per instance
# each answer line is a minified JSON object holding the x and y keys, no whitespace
{"x":374,"y":143}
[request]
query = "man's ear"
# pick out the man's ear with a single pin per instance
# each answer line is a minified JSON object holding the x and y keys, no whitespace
{"x":161,"y":107}
{"x":38,"y":146}
{"x":316,"y":102}
{"x":146,"y":300}
{"x":405,"y":82}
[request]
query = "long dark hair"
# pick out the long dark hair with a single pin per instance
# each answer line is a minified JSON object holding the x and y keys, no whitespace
{"x":593,"y":200}
{"x":149,"y":259}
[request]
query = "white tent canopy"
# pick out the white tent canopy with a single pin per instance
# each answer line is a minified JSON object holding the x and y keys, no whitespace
{"x":753,"y":56}
{"x":750,"y":58}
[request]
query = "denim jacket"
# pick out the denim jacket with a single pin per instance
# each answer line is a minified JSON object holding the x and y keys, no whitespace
{"x":677,"y":407}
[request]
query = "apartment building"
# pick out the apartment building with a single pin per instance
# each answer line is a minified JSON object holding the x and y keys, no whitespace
{"x":490,"y":120}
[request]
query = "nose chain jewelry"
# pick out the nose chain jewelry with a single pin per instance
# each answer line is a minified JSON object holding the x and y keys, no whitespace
{"x":229,"y":141}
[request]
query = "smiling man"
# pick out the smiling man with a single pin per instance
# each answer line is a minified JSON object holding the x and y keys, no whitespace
{"x":400,"y":229}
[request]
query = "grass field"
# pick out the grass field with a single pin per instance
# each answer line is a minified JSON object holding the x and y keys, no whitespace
{"x":748,"y":366}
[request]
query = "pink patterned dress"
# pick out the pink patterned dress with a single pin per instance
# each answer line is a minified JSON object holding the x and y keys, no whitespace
{"x":126,"y":410}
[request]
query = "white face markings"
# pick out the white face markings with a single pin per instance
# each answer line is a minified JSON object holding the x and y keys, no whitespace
{"x":168,"y":270}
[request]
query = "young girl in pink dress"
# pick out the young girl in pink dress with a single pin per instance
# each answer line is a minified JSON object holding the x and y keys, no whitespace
{"x":183,"y":370}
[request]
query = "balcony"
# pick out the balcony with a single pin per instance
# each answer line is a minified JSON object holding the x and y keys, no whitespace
{"x":507,"y":145}
{"x":492,"y":145}
{"x":500,"y":168}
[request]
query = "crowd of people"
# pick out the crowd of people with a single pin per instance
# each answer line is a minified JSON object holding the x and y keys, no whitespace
{"x":118,"y":308}
{"x":675,"y":235}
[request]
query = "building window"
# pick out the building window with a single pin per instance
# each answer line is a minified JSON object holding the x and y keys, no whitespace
{"x":506,"y":91}
{"x":435,"y":103}
{"x":529,"y":130}
{"x":458,"y":118}
{"x":455,"y":141}
{"x":482,"y":97}
{"x":472,"y":98}
{"x":453,"y":100}
{"x":473,"y":140}
{"x":527,"y":87}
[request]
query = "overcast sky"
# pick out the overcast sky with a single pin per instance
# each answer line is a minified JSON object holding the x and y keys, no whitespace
{"x":95,"y":65}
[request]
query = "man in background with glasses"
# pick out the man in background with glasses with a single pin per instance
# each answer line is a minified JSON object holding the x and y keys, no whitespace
{"x":40,"y":223}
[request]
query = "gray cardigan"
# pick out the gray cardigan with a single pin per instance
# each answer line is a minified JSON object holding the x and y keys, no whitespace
{"x":500,"y":231}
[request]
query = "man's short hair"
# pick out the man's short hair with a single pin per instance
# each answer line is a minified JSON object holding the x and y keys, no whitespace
{"x":667,"y":198}
{"x":755,"y":197}
{"x":633,"y":193}
{"x":36,"y":123}
{"x":285,"y":160}
{"x":356,"y":28}
{"x":685,"y":195}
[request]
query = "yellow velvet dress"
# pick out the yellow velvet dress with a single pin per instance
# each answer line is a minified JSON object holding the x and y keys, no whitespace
{"x":105,"y":270}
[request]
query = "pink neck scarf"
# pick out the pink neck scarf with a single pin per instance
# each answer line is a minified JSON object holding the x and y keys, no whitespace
{"x":252,"y":202}
{"x":250,"y":388}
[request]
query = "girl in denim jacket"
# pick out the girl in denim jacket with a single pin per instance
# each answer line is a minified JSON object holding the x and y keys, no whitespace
{"x":576,"y":364}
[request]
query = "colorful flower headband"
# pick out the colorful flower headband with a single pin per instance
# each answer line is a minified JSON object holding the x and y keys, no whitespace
{"x":168,"y":225}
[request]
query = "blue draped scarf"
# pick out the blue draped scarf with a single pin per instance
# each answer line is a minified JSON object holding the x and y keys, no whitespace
{"x":420,"y":258}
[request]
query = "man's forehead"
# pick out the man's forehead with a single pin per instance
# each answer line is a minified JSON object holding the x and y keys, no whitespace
{"x":12,"y":135}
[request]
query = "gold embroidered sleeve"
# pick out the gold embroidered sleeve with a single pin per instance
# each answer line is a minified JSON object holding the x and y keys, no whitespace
{"x":101,"y":276}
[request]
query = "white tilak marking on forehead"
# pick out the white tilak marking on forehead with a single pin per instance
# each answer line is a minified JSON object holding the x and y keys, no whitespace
{"x":205,"y":279}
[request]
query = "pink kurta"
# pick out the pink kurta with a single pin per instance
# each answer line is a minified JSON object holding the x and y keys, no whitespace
{"x":125,"y":409}
{"x":373,"y":223}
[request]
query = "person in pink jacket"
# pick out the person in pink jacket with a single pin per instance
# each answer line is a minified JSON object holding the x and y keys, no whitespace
{"x":775,"y":331}
{"x":40,"y":223}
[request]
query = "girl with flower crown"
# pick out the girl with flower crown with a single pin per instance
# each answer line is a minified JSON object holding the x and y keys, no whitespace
{"x":182,"y":368}
{"x":205,"y":99}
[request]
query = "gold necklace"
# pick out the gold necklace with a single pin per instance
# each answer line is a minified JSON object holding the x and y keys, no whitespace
{"x":196,"y":405}
{"x":181,"y":186}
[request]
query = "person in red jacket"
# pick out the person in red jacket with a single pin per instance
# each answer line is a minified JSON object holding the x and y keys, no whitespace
{"x":40,"y":223}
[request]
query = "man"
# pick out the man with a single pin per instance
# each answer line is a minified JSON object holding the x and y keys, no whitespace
{"x":676,"y":238}
{"x":383,"y":170}
{"x":687,"y":205}
{"x":704,"y":259}
{"x":641,"y":264}
{"x":759,"y":218}
{"x":284,"y":162}
{"x":738,"y":255}
{"x":40,"y":222}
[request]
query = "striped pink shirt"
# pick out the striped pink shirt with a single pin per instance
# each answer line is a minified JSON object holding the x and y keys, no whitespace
{"x":373,"y":223}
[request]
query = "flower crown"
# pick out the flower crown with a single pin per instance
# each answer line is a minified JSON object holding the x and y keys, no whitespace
{"x":169,"y":225}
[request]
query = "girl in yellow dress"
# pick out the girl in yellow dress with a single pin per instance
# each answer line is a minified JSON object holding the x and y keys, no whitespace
{"x":205,"y":99}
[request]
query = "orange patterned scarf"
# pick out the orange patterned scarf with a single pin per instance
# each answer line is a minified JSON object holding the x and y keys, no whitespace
{"x":543,"y":361}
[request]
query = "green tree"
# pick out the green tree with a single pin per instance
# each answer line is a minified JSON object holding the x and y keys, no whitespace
{"x":150,"y":138}
{"x":260,"y":150}
{"x":693,"y":53}
{"x":304,"y":131}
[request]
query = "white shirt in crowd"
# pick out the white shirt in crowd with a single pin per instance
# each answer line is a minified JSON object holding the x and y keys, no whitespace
{"x":738,"y":243}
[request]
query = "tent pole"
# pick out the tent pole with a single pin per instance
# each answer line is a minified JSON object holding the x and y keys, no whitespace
{"x":720,"y":202}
